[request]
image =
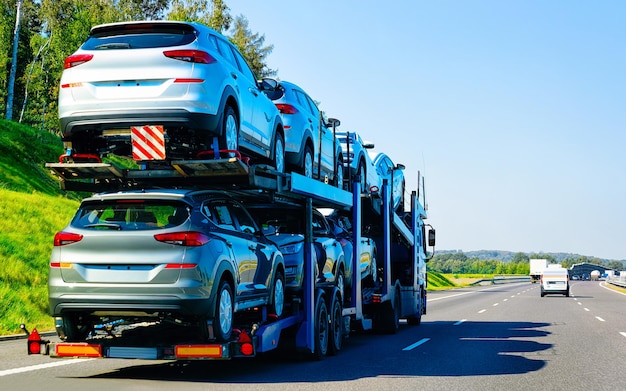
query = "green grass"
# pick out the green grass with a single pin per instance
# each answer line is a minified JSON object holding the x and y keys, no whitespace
{"x":32,"y":209}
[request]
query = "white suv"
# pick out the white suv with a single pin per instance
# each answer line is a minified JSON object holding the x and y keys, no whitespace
{"x":184,"y":80}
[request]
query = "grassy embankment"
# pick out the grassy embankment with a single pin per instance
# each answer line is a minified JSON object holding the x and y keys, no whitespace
{"x":32,"y":210}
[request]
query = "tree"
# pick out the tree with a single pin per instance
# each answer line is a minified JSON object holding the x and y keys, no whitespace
{"x":251,"y":46}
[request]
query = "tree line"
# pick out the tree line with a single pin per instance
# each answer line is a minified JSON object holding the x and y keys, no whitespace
{"x":460,"y":263}
{"x":51,"y":30}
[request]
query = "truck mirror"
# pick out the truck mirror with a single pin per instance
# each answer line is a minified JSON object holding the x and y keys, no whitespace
{"x":431,"y":238}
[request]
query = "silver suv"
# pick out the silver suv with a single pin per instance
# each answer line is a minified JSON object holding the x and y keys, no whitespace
{"x":311,"y":147}
{"x":183,"y":82}
{"x":169,"y":256}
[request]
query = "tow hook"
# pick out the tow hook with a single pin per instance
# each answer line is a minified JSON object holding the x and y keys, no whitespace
{"x":35,"y":344}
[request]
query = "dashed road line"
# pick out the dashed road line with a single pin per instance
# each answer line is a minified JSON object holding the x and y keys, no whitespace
{"x":42,"y":366}
{"x":623,"y":334}
{"x":600,"y":319}
{"x":495,"y":304}
{"x":416,"y":344}
{"x":586,"y":309}
{"x":459,"y":322}
{"x":481,"y":311}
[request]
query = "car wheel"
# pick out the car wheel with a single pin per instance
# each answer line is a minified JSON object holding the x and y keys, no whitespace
{"x":307,"y":163}
{"x":340,"y":282}
{"x":230,"y":131}
{"x":224,"y":312}
{"x":416,"y":320}
{"x":277,"y":300}
{"x":335,"y":342}
{"x":73,"y":329}
{"x":339,"y":173}
{"x":279,"y":153}
{"x":362,"y":173}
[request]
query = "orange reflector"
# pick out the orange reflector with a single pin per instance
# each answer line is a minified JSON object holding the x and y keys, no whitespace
{"x":198,"y":351}
{"x":78,"y":350}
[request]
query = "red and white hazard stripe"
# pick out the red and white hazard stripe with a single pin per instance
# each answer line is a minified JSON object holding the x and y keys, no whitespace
{"x":148,"y":142}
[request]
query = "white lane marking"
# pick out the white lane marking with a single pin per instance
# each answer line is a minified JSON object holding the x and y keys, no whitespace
{"x":459,"y":322}
{"x":481,"y":311}
{"x":416,"y":344}
{"x":603,"y":285}
{"x":579,"y":303}
{"x":463,"y":293}
{"x":496,"y":304}
{"x":505,"y":300}
{"x":43,"y":366}
{"x":623,"y":334}
{"x":587,"y":309}
{"x":600,"y":319}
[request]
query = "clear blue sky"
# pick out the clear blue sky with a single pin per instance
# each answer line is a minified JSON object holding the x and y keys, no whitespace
{"x":513,"y":111}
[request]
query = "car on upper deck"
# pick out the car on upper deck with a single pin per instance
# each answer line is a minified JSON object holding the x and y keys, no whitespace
{"x":386,"y":169}
{"x":357,"y":159}
{"x":311,"y":147}
{"x":186,"y":257}
{"x":157,"y":90}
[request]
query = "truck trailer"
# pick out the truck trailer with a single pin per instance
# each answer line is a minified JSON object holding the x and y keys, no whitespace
{"x":537,"y":266}
{"x":317,"y":322}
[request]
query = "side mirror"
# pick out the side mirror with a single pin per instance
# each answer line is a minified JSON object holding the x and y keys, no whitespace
{"x":399,"y":167}
{"x":268,"y":84}
{"x":431,"y":237}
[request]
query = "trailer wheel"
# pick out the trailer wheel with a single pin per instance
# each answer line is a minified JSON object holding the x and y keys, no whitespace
{"x":320,"y":328}
{"x":335,"y":342}
{"x":230,"y":131}
{"x":73,"y":329}
{"x":391,"y":315}
{"x":277,"y":300}
{"x":224,"y":312}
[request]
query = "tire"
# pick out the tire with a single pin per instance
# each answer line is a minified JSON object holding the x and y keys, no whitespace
{"x":224,"y":312}
{"x":277,"y":298}
{"x":338,"y":180}
{"x":279,"y":153}
{"x":74,"y":329}
{"x":321,"y":327}
{"x":392,"y":316}
{"x":362,"y":172}
{"x":335,"y":342}
{"x":416,"y":320}
{"x":306,"y":168}
{"x":230,"y":130}
{"x":340,"y":282}
{"x":542,"y":293}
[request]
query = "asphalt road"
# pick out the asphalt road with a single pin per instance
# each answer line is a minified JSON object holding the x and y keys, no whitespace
{"x":503,"y":337}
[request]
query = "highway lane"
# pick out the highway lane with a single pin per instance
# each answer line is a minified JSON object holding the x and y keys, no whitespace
{"x":490,"y":337}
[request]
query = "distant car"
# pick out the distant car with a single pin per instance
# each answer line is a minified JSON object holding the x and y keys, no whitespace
{"x":177,"y":85}
{"x":285,"y":227}
{"x":171,"y":256}
{"x":310,"y":144}
{"x":386,"y":169}
{"x":357,"y":159}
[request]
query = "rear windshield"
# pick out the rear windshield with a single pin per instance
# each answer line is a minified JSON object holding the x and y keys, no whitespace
{"x":139,"y":36}
{"x":133,"y":215}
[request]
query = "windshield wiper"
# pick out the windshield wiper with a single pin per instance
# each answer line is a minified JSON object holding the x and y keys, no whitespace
{"x":105,"y":225}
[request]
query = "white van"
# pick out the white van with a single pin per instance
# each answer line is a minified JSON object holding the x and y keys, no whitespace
{"x":554,"y":280}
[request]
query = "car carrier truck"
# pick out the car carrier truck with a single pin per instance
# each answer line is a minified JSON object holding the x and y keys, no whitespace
{"x":317,"y":322}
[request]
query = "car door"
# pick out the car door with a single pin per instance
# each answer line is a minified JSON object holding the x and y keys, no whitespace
{"x":327,"y":145}
{"x":260,"y":251}
{"x":245,"y":261}
{"x":332,"y":251}
{"x":261,"y":130}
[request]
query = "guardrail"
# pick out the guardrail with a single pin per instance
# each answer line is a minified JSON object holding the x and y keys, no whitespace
{"x":616,"y":281}
{"x":502,"y":280}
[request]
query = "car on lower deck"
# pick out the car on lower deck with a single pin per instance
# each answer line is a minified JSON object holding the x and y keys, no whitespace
{"x":174,"y":256}
{"x":286,"y":227}
{"x":157,"y":90}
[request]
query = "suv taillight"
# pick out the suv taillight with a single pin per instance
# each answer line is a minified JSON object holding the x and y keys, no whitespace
{"x":196,"y":56}
{"x":286,"y":109}
{"x":65,"y":238}
{"x":76,"y":59}
{"x":191,"y":238}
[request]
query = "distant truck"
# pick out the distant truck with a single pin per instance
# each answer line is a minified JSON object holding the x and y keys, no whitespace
{"x":537,"y":266}
{"x":595,"y":275}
